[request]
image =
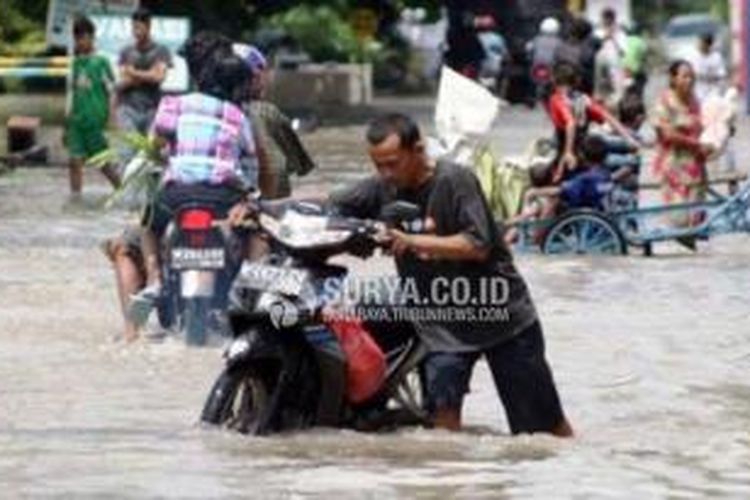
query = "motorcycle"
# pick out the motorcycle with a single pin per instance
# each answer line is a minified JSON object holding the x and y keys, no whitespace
{"x":200,"y":257}
{"x":288,"y":367}
{"x":199,"y":253}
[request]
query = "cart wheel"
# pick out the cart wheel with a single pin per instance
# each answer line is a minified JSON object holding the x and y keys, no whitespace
{"x":584,"y":232}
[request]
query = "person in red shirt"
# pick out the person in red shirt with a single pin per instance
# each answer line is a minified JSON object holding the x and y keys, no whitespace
{"x":571,"y":112}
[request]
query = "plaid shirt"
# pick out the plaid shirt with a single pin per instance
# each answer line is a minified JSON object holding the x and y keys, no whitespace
{"x":210,"y":141}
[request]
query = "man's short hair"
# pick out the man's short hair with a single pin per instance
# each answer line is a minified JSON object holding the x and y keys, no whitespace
{"x":609,"y":14}
{"x":594,"y":149}
{"x":565,"y":73}
{"x":141,"y":15}
{"x":202,"y":51}
{"x":708,"y":39}
{"x":83,"y":26}
{"x":394,"y":123}
{"x":580,"y":29}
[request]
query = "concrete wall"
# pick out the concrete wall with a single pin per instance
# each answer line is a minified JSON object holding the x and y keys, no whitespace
{"x":320,"y":86}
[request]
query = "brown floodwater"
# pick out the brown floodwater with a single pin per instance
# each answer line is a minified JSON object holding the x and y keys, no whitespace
{"x":651,"y":356}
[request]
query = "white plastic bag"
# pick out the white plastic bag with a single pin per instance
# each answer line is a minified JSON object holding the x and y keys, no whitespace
{"x":465,"y":111}
{"x":717,"y":114}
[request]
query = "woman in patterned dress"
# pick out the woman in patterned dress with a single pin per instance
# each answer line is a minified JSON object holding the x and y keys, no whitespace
{"x":680,"y":162}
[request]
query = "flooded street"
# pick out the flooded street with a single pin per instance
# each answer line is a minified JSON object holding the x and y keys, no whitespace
{"x":651,"y":357}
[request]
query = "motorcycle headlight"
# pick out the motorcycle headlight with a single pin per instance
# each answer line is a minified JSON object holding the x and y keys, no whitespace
{"x":303,"y":231}
{"x":237,"y":348}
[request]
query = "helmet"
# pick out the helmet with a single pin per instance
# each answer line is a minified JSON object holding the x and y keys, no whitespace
{"x":550,"y":26}
{"x":253,"y":58}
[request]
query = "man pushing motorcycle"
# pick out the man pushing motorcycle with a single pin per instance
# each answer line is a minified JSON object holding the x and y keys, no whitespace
{"x":450,"y":265}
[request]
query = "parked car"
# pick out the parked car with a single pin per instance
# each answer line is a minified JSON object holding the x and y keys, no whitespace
{"x":681,"y":34}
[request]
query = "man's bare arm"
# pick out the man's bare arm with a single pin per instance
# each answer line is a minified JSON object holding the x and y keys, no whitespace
{"x":126,"y":79}
{"x":455,"y":247}
{"x":156,"y":75}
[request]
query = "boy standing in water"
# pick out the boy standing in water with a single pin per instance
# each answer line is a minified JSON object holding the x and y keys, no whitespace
{"x":93,"y":82}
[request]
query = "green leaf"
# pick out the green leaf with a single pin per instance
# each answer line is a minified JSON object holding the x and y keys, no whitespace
{"x":143,"y":170}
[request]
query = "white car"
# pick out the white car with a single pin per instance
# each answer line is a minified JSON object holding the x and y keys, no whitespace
{"x":680,"y":37}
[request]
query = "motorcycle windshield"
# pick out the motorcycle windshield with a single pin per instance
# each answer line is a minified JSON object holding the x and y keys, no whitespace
{"x":301,"y":231}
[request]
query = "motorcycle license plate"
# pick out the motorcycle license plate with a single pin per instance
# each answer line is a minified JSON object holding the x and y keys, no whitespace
{"x":198,"y":258}
{"x":267,"y":278}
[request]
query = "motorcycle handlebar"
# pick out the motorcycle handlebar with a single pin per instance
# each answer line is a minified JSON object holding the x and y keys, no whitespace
{"x":374,"y":230}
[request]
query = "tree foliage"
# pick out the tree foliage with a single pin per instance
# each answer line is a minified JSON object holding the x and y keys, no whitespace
{"x":306,"y":24}
{"x":22,"y":26}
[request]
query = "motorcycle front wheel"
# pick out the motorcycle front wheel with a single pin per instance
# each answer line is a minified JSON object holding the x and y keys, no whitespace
{"x":240,"y":400}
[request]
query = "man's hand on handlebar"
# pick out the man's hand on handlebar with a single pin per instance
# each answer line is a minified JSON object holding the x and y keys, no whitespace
{"x":242,"y":213}
{"x":399,"y":242}
{"x":238,"y":213}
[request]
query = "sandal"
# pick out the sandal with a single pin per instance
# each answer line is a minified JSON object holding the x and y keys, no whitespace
{"x":142,"y":303}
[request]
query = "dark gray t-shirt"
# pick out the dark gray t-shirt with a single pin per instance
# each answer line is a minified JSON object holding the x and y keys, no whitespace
{"x":285,"y":151}
{"x":144,"y":97}
{"x":496,"y":306}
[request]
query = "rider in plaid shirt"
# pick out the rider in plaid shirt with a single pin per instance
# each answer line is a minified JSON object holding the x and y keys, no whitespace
{"x":206,"y":137}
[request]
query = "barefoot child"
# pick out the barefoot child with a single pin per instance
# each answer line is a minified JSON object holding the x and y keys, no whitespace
{"x":89,"y":114}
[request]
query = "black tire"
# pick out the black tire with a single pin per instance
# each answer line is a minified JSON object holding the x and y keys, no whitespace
{"x":194,"y":320}
{"x":239,"y":400}
{"x":584,"y":232}
{"x":408,"y":387}
{"x":166,"y":309}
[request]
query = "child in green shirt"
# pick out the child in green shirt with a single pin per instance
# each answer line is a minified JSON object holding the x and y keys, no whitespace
{"x":93,"y":82}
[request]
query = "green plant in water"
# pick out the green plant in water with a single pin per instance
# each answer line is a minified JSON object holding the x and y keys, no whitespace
{"x":143,"y":171}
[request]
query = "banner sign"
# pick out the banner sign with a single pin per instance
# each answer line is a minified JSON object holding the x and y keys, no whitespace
{"x":59,"y":12}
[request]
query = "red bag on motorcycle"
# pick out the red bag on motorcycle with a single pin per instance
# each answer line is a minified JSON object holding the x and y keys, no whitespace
{"x":366,"y":365}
